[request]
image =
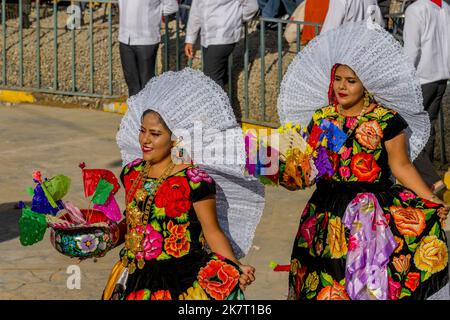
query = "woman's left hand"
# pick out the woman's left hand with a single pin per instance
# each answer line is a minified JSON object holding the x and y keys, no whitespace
{"x":443,"y":211}
{"x":443,"y":214}
{"x":247,"y":276}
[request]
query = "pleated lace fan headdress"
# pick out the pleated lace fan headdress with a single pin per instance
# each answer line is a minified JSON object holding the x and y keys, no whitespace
{"x":194,"y":105}
{"x":377,"y":59}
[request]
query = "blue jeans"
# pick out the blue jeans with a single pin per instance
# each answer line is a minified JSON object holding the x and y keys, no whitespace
{"x":271,"y":8}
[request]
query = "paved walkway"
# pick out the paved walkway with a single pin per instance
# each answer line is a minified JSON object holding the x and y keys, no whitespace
{"x":56,"y":140}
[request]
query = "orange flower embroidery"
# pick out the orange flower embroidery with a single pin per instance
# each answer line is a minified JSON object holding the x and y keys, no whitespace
{"x":409,"y":221}
{"x":218,"y":279}
{"x":177,"y":245}
{"x":369,"y":134}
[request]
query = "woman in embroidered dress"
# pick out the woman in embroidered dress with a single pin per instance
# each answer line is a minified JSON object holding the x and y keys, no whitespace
{"x":361,"y":236}
{"x":171,"y":207}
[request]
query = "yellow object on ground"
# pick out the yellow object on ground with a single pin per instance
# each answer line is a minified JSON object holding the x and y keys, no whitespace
{"x":16,"y":96}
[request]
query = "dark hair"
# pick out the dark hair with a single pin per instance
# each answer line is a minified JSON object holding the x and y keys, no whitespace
{"x":161,"y":120}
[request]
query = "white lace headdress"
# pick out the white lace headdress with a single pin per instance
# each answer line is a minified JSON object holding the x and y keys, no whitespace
{"x":377,"y":59}
{"x":196,"y":107}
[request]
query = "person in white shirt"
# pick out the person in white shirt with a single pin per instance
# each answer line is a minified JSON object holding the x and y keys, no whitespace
{"x":220,"y":24}
{"x":344,"y":11}
{"x":426,"y":36}
{"x":139,"y":37}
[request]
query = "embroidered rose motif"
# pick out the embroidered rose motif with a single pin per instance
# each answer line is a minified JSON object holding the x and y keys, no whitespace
{"x":409,"y":221}
{"x":218,"y":279}
{"x":174,"y":197}
{"x":177,"y":244}
{"x":431,"y":255}
{"x":333,"y":292}
{"x":197,"y":175}
{"x":369,"y":134}
{"x":364,"y":167}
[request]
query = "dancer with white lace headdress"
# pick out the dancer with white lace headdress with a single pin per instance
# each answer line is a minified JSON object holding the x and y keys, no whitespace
{"x":361,"y":236}
{"x":184,"y":155}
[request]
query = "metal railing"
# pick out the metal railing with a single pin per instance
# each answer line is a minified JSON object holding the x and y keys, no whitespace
{"x":102,"y":51}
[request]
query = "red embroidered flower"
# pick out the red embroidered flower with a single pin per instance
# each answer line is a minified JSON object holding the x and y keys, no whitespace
{"x":161,"y":295}
{"x":394,"y":289}
{"x":218,"y":279}
{"x":174,"y":196}
{"x":308,"y":230}
{"x":412,"y":280}
{"x":364,"y":167}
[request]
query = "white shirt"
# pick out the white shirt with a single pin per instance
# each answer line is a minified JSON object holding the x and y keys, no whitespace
{"x":219,"y":21}
{"x":140,"y":20}
{"x":426,"y":35}
{"x":344,"y":11}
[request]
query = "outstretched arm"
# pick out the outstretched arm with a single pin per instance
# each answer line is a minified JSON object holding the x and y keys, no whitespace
{"x":403,"y":169}
{"x":407,"y":174}
{"x":216,"y":239}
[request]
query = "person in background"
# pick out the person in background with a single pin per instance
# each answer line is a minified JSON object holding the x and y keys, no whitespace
{"x":426,"y":38}
{"x":315,"y":11}
{"x":220,"y":24}
{"x":139,"y":37}
{"x":344,"y":11}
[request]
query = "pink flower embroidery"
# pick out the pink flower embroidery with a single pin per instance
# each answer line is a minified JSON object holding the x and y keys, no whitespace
{"x":346,"y":153}
{"x":308,"y":230}
{"x":344,"y":172}
{"x":395,"y":288}
{"x":153,"y":241}
{"x":406,"y":195}
{"x":197,"y":175}
{"x":350,"y":122}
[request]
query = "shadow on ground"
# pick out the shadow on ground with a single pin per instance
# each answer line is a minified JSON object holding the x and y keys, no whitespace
{"x":9,"y":221}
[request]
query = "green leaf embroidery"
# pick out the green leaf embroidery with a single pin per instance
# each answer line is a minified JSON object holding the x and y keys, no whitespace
{"x":383,"y":125}
{"x":412,"y":247}
{"x":405,"y":293}
{"x":195,"y":186}
{"x":387,"y":116}
{"x":183,"y":218}
{"x":163,"y":256}
{"x":326,"y":253}
{"x":396,"y":202}
{"x":158,"y":213}
{"x":302,"y":243}
{"x":310,"y":295}
{"x":356,"y":147}
{"x":342,"y":282}
{"x":156,"y":225}
{"x":345,"y":162}
{"x":188,"y":235}
{"x":377,"y":154}
{"x":424,"y":276}
{"x":428,"y":213}
{"x":352,"y":178}
{"x":326,"y":279}
{"x":409,"y":240}
{"x":435,"y":231}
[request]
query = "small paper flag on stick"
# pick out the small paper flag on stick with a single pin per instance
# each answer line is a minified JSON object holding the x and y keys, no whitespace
{"x":102,"y":192}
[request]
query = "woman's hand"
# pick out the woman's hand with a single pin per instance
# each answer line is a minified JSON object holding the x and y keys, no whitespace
{"x":247,"y":276}
{"x":443,"y":211}
{"x":189,"y":50}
